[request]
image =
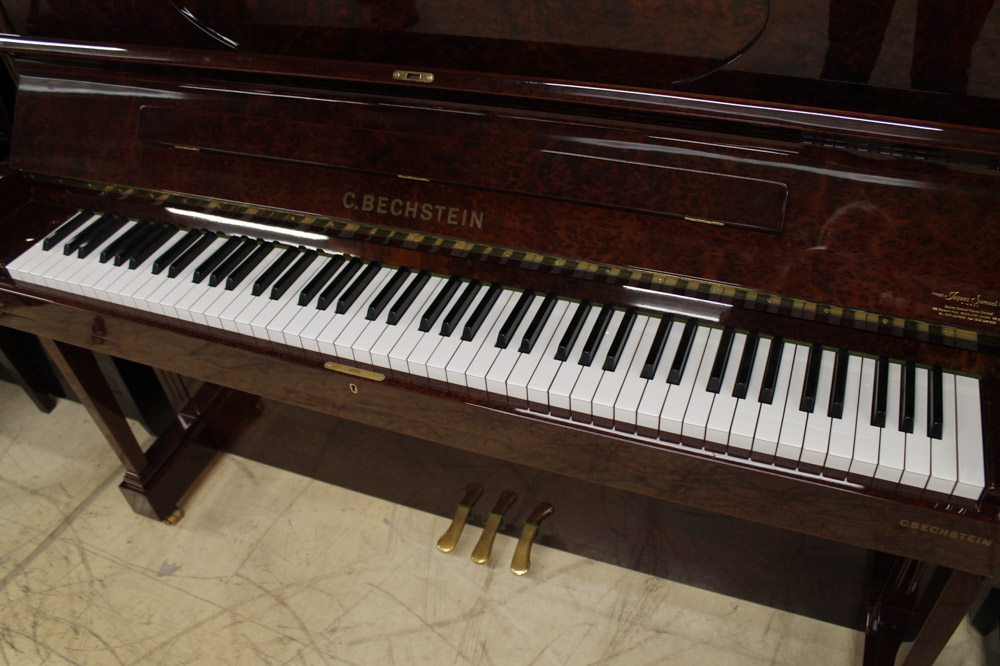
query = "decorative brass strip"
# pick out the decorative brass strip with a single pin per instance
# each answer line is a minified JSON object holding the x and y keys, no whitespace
{"x":872,"y":321}
{"x":354,"y":372}
{"x":415,"y":77}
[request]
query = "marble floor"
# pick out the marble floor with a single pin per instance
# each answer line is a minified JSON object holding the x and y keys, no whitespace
{"x":270,"y":567}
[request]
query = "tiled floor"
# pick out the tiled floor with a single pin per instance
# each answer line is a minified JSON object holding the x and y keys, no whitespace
{"x":269,"y":567}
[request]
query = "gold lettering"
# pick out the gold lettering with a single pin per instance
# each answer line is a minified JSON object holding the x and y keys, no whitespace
{"x":368,"y":203}
{"x":452,"y":216}
{"x":440,"y":210}
{"x":477,"y":219}
{"x":382,"y":201}
{"x":396,"y":207}
{"x":411,"y":209}
{"x":349,"y":200}
{"x":426,"y":212}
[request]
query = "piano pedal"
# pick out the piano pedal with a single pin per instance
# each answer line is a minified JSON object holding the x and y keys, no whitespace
{"x":449,"y":539}
{"x":481,"y":553}
{"x":522,"y":554}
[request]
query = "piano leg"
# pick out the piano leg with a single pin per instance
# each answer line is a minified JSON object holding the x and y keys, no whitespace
{"x":155,"y":479}
{"x":916,"y":612}
{"x":13,"y":361}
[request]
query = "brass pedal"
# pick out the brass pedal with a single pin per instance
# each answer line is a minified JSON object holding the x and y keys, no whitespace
{"x":522,"y":554}
{"x":481,"y":553}
{"x":449,"y":539}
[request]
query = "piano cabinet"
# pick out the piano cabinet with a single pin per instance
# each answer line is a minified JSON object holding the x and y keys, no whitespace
{"x":858,"y":557}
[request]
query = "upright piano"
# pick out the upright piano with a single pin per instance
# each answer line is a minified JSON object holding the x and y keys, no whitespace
{"x":716,"y":280}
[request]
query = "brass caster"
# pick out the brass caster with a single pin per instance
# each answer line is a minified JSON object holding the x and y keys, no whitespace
{"x":174,"y":517}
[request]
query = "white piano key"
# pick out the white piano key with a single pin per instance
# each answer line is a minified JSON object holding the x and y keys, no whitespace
{"x":527,"y":364}
{"x":841,"y":451}
{"x":225,"y":313}
{"x":656,"y":389}
{"x":612,"y":382}
{"x":362,"y":347}
{"x":765,"y":438}
{"x":672,"y":416}
{"x":630,"y":393}
{"x":475,"y":375}
{"x":181,"y":286}
{"x":816,"y":443}
{"x":864,"y":462}
{"x":699,"y":407}
{"x":463,"y":357}
{"x":83,"y":281}
{"x":748,"y":408}
{"x":496,"y":378}
{"x":411,"y":334}
{"x":944,"y":451}
{"x":720,"y":419}
{"x":418,"y":359}
{"x":582,"y":396}
{"x":290,"y":308}
{"x":357,"y":332}
{"x":971,"y":466}
{"x":329,"y":341}
{"x":917,"y":461}
{"x":892,"y":441}
{"x":303,"y":329}
{"x":793,"y":421}
{"x":548,"y":366}
{"x":569,"y":370}
{"x":22,"y":267}
{"x":381,"y":350}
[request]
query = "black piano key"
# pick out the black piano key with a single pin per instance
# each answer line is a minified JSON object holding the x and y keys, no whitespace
{"x":286,"y":281}
{"x":746,"y":365}
{"x":907,"y":392}
{"x":439,"y":303}
{"x":175,"y":250}
{"x":86,"y":234}
{"x":836,"y":409}
{"x":63,"y":232}
{"x":935,"y":403}
{"x":573,"y":331}
{"x":206,"y":267}
{"x":881,"y":398}
{"x":537,"y":324}
{"x":482,"y":310}
{"x":596,"y":335}
{"x":128,"y":248}
{"x":514,"y":319}
{"x":189,"y":255}
{"x":101,"y":237}
{"x":770,"y":381}
{"x":319,"y":280}
{"x":145,"y":250}
{"x":338,"y":283}
{"x":811,"y":384}
{"x":265,"y":279}
{"x":679,"y":363}
{"x":358,"y":286}
{"x":249,"y":264}
{"x":388,"y":291}
{"x":618,"y":344}
{"x":656,"y":349}
{"x":450,"y":322}
{"x":109,"y":251}
{"x":231,"y":262}
{"x":721,"y":361}
{"x":404,"y":302}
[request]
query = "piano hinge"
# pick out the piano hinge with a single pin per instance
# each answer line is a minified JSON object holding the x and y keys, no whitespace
{"x":354,"y":372}
{"x":714,"y":223}
{"x":415,"y":77}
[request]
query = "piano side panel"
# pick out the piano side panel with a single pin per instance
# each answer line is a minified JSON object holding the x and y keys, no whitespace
{"x":859,"y":230}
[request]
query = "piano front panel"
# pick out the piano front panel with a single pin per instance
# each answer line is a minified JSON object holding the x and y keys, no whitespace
{"x":846,"y":235}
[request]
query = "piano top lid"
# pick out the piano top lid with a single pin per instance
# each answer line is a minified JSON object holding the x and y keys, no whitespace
{"x":904,"y":60}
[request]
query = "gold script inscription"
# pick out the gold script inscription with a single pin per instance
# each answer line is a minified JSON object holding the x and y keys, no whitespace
{"x":415,"y":210}
{"x":969,"y":307}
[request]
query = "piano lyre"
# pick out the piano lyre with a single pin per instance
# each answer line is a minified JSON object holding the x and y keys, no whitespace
{"x":647,"y":252}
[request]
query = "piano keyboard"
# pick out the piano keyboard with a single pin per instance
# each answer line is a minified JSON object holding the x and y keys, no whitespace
{"x":907,"y":428}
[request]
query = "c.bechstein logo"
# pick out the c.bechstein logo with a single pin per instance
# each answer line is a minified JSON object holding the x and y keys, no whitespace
{"x":415,"y":210}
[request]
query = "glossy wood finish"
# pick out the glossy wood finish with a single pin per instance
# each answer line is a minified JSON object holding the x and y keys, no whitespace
{"x":851,"y":235}
{"x":15,"y":364}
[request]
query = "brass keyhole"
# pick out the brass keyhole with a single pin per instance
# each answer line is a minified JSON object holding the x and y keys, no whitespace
{"x":353,"y":387}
